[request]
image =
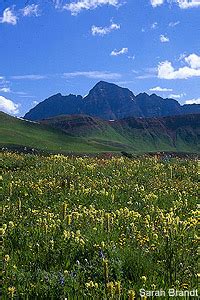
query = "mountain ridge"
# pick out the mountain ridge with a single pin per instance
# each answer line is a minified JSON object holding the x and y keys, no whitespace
{"x":87,"y":134}
{"x":109,"y":102}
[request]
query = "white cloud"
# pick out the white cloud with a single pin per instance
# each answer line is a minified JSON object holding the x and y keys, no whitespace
{"x":78,"y":6}
{"x":135,"y":71}
{"x":4,"y":85}
{"x":160,"y":89}
{"x":57,"y":3}
{"x":176,"y":96}
{"x":124,"y":83}
{"x":119,"y":52}
{"x":167,"y":71}
{"x":131,"y":57}
{"x":184,"y":4}
{"x":28,"y":77}
{"x":93,"y":74}
{"x":5,"y":90}
{"x":154,"y":25}
{"x":21,"y":93}
{"x":8,"y":106}
{"x":146,"y":76}
{"x":30,"y":10}
{"x":104,"y":30}
{"x":193,"y":101}
{"x":155,"y":3}
{"x":164,"y":39}
{"x":182,"y":56}
{"x":27,"y":96}
{"x":173,"y":24}
{"x":193,"y":60}
{"x":9,"y":16}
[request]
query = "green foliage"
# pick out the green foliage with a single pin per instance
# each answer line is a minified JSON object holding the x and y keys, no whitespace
{"x":97,"y":228}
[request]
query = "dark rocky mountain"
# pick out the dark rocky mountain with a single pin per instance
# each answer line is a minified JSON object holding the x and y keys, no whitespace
{"x":155,"y":106}
{"x":110,"y":102}
{"x":54,"y":106}
{"x":191,"y":108}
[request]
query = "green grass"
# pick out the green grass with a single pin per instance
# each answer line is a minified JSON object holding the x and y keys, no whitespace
{"x":93,"y":138}
{"x":90,"y":228}
{"x":18,"y":132}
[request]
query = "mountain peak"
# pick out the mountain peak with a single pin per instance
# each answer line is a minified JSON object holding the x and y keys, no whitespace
{"x":102,"y":82}
{"x":105,"y":84}
{"x":143,"y":95}
{"x":110,"y":102}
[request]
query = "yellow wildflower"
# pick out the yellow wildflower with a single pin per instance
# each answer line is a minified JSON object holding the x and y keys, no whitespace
{"x":11,"y":291}
{"x":131,"y":295}
{"x":6,"y":258}
{"x":144,"y":279}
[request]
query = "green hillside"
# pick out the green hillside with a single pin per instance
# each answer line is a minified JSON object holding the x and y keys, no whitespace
{"x":16,"y":133}
{"x":170,"y":134}
{"x":85,"y":134}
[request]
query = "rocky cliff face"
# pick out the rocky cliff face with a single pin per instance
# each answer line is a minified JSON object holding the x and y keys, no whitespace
{"x":155,"y":106}
{"x":110,"y":102}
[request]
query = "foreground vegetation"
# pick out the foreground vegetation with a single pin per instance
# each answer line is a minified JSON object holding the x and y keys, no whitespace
{"x":90,"y":228}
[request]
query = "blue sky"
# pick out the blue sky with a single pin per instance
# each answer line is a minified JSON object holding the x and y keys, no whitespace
{"x":67,"y":46}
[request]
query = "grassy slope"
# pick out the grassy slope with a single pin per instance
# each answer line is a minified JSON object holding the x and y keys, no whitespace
{"x":153,"y":140}
{"x":95,"y":130}
{"x":137,"y":135}
{"x":99,"y":131}
{"x":99,"y":137}
{"x":18,"y":132}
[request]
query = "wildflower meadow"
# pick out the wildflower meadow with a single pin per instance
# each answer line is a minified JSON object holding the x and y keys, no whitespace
{"x":97,"y":228}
